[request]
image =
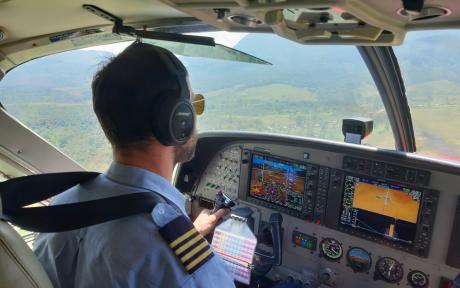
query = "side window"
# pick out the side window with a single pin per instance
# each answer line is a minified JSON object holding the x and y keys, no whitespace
{"x":52,"y":96}
{"x":430,"y":66}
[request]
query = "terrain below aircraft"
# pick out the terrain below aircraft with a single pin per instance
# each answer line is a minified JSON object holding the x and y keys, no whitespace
{"x":332,"y":123}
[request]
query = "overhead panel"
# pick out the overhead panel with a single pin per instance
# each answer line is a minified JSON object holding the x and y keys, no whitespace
{"x":316,"y":22}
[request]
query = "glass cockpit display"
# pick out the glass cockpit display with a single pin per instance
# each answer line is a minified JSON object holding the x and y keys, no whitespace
{"x":386,"y":210}
{"x":278,"y":181}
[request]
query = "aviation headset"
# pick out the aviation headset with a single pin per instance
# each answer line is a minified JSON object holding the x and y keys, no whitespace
{"x":174,"y":115}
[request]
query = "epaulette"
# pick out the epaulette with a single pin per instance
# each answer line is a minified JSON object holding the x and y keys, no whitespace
{"x":192,"y":250}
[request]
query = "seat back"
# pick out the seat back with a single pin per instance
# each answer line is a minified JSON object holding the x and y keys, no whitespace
{"x":19,"y":267}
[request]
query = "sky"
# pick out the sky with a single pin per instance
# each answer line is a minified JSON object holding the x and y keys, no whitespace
{"x":229,"y":39}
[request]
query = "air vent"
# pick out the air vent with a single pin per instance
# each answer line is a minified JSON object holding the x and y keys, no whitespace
{"x":245,"y":20}
{"x":426,"y":13}
{"x":2,"y":34}
{"x":319,"y":9}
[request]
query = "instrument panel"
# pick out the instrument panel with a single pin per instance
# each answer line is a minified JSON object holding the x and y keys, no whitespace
{"x":357,"y":212}
{"x":223,"y":174}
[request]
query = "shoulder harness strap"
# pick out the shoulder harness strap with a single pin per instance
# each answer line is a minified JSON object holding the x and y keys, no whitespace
{"x":17,"y":193}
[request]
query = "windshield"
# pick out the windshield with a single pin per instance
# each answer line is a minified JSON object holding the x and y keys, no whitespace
{"x":430,"y":66}
{"x":306,"y":92}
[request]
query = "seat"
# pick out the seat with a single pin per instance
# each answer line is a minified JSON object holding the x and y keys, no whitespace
{"x":18,"y":265}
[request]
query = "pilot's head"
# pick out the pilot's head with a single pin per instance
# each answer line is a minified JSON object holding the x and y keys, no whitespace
{"x":135,"y":98}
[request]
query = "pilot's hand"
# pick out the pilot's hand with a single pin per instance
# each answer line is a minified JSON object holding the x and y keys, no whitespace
{"x":206,"y":222}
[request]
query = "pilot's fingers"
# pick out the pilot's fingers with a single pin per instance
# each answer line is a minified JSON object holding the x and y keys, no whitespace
{"x":206,"y":211}
{"x":220,"y":213}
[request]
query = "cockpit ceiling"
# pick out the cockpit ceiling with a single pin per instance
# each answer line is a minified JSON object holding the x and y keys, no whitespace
{"x":301,"y":20}
{"x":30,"y":29}
{"x":369,"y":22}
{"x":23,"y":19}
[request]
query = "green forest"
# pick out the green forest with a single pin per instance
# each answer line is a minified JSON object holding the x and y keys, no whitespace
{"x":306,"y":92}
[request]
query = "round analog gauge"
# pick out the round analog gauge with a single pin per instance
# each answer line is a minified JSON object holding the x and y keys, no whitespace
{"x":331,"y":249}
{"x":389,"y":270}
{"x":359,"y":259}
{"x":417,"y":279}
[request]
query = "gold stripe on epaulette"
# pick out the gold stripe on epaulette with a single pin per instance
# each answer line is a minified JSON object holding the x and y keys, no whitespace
{"x":194,"y":251}
{"x":188,"y":244}
{"x":182,"y":238}
{"x":198,"y":260}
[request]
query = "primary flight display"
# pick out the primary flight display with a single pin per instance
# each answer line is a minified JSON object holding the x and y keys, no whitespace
{"x":278,"y":181}
{"x":376,"y":207}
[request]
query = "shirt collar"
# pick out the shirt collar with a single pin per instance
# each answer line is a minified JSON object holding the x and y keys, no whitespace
{"x":145,"y":179}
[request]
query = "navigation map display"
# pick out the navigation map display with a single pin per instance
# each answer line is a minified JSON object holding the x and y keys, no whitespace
{"x":278,"y":181}
{"x":389,"y":211}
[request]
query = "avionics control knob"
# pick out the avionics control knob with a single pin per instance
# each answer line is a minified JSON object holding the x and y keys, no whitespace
{"x":327,"y":276}
{"x":311,"y":177}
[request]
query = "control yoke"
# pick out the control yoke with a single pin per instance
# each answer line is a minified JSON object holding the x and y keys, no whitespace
{"x":271,"y":236}
{"x":276,"y":220}
{"x":222,"y":201}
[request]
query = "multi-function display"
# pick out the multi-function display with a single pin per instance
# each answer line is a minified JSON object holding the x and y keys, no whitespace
{"x":277,"y":181}
{"x":386,"y":210}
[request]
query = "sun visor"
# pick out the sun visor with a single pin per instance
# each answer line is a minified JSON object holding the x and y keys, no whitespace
{"x":218,"y":51}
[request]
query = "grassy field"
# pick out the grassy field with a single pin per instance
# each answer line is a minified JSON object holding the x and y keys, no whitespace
{"x":275,"y":108}
{"x":436,"y":130}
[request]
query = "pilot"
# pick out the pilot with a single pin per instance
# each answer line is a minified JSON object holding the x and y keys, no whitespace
{"x":143,"y":102}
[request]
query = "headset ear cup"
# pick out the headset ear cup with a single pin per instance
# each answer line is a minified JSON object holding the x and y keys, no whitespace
{"x":182,"y":122}
{"x":174,"y":121}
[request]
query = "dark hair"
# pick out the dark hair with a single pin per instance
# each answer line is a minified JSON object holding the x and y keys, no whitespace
{"x":126,"y":93}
